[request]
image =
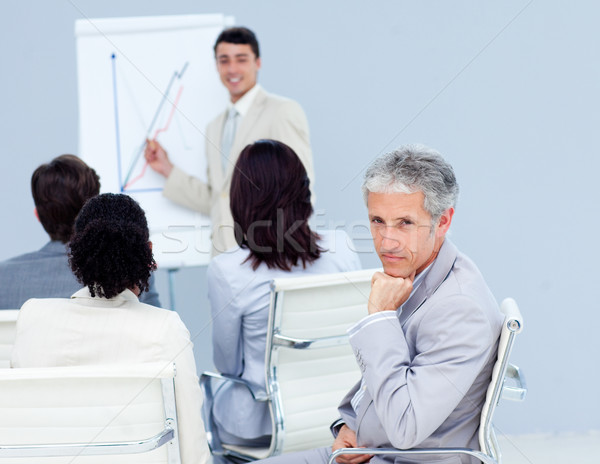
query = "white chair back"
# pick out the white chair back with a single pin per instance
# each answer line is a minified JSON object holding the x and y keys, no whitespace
{"x":8,"y":325}
{"x":310,"y":364}
{"x":81,"y":414}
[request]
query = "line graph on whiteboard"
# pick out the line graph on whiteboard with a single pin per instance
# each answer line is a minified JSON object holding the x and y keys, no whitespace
{"x":151,"y":123}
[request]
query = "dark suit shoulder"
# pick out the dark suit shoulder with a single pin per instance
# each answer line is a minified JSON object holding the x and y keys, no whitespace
{"x":41,"y":274}
{"x":49,"y":251}
{"x":26,"y":257}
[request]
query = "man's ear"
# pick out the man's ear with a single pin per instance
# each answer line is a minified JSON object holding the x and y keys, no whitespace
{"x":37,"y":216}
{"x":150,"y":245}
{"x":445,"y":221}
{"x":258,"y":63}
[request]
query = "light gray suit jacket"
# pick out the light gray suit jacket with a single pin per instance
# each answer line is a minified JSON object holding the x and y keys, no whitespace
{"x":269,"y":117}
{"x":45,"y":274}
{"x":426,"y":367}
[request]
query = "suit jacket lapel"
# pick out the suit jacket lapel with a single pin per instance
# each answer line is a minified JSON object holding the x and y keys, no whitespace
{"x":438,"y":273}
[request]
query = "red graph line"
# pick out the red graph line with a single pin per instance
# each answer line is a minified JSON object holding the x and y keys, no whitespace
{"x":164,"y":129}
{"x":158,"y":131}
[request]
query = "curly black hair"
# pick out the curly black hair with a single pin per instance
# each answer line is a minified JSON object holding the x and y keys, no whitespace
{"x":109,"y":249}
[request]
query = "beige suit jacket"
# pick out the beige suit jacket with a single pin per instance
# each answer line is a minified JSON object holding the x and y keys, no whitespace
{"x":269,"y":117}
{"x":121,"y":330}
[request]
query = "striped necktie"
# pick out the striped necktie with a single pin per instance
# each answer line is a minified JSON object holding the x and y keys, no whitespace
{"x":228,"y":137}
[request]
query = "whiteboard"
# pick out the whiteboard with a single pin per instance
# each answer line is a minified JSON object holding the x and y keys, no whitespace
{"x":151,"y":77}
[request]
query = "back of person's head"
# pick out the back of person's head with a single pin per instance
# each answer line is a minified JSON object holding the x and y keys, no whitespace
{"x":239,"y":35}
{"x":413,"y":168}
{"x":109,"y":250}
{"x":59,"y":189}
{"x":270,"y":205}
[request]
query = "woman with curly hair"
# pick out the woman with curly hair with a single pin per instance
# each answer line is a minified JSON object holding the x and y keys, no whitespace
{"x":270,"y":204}
{"x":104,"y":323}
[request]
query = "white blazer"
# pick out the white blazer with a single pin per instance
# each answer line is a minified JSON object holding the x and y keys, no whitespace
{"x":87,"y":331}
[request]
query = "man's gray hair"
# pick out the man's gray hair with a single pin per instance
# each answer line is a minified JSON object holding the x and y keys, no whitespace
{"x":413,"y":168}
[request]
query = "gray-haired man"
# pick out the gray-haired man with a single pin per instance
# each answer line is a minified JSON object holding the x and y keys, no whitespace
{"x":427,"y":348}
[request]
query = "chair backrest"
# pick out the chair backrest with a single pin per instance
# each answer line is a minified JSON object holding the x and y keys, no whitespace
{"x":513,"y":324}
{"x":85,"y":413}
{"x":8,"y":325}
{"x":309,"y":362}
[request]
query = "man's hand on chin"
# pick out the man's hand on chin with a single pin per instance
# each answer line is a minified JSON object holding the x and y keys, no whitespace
{"x":389,"y":293}
{"x":347,"y":439}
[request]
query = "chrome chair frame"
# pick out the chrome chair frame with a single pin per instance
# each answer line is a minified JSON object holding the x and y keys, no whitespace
{"x":214,"y":441}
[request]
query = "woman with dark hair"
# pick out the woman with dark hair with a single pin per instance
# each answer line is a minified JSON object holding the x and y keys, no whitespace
{"x":270,"y":204}
{"x":104,"y":323}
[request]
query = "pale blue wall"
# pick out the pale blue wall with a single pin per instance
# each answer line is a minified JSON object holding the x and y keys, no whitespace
{"x":507,"y":91}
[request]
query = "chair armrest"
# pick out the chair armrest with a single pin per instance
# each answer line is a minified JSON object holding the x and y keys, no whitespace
{"x":89,"y":449}
{"x":515,"y":387}
{"x":254,"y":390}
{"x":397,"y":452}
{"x":214,"y":441}
{"x":301,"y":344}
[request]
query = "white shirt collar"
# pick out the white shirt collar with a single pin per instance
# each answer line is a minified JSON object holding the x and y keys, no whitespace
{"x":124,"y":295}
{"x":243,"y":104}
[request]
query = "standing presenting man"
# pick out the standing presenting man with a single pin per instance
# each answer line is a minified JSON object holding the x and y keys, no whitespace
{"x":428,"y":345}
{"x":252,"y":114}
